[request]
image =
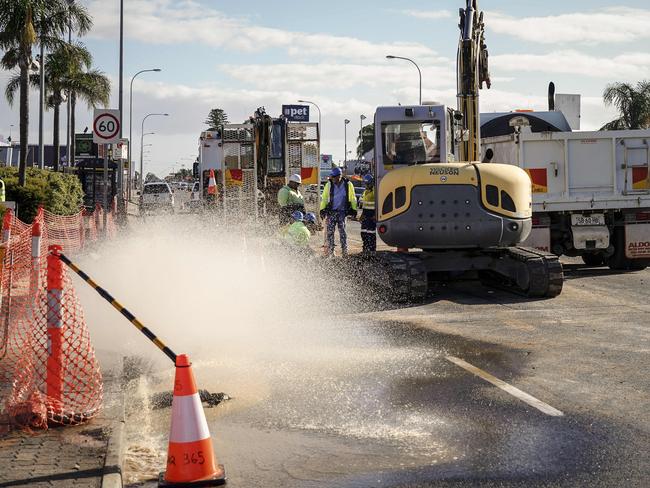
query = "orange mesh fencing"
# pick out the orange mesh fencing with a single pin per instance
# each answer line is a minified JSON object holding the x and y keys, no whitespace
{"x":48,"y":371}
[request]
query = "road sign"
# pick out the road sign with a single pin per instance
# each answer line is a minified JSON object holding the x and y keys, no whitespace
{"x":106,"y":126}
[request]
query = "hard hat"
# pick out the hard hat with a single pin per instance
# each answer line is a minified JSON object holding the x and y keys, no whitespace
{"x":310,"y":217}
{"x":296,"y":179}
{"x":368,"y":179}
{"x":336,"y":172}
{"x":298,"y":216}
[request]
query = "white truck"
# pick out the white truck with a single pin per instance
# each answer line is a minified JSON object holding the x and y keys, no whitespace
{"x":591,"y":190}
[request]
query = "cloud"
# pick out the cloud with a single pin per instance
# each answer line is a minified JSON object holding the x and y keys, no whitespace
{"x":186,"y":22}
{"x":333,"y":76}
{"x":427,"y":14}
{"x":613,"y":24}
{"x":624,"y":66}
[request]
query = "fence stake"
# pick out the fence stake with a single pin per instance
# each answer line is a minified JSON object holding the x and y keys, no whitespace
{"x":6,"y":225}
{"x":34,"y":278}
{"x":54,"y":379}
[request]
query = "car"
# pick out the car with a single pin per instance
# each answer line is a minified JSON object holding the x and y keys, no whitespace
{"x":156,"y":197}
{"x":194,"y":203}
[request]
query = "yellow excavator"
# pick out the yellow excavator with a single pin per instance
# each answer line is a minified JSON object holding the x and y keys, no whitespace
{"x":446,"y":212}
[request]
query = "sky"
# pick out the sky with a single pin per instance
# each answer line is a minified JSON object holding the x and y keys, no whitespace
{"x":242,"y":55}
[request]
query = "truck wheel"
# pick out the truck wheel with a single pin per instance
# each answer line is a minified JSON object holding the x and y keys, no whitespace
{"x":595,"y":259}
{"x":618,"y":261}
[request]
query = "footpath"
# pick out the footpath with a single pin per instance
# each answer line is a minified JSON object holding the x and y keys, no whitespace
{"x":61,"y":413}
{"x":87,"y":455}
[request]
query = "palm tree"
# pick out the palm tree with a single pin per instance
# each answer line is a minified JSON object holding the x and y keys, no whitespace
{"x":632,"y":103}
{"x":65,"y":59}
{"x":89,"y":85}
{"x":23,"y":23}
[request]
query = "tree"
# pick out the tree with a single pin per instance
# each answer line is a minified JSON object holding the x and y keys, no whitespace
{"x":24,"y":23}
{"x":632,"y":103}
{"x":59,"y":64}
{"x":368,"y":140}
{"x":89,"y":85}
{"x":216,"y":118}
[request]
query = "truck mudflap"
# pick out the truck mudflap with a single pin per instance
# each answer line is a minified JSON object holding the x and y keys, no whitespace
{"x":637,"y":241}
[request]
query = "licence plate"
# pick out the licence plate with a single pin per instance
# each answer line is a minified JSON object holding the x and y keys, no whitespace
{"x":592,"y":219}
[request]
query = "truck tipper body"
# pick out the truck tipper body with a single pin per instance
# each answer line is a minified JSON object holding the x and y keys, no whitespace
{"x":591,"y":191}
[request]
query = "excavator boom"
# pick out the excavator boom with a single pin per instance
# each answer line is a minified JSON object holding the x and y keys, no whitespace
{"x":472,"y":66}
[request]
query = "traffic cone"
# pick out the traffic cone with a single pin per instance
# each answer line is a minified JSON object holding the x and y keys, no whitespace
{"x":212,"y":184}
{"x":190,"y":457}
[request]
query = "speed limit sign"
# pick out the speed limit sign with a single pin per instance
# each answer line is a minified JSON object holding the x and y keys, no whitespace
{"x":106,"y":126}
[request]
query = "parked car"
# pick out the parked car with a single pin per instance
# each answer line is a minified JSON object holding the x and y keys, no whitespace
{"x":156,"y":197}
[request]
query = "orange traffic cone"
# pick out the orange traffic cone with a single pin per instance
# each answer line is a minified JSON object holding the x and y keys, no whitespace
{"x":212,"y":184}
{"x":190,"y":457}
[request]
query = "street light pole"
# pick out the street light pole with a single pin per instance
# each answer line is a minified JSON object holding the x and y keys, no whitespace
{"x":345,"y":158}
{"x":416,"y":65}
{"x":41,"y":104}
{"x":361,"y":118}
{"x":142,"y":141}
{"x":131,"y":127}
{"x":121,"y":90}
{"x":68,"y":107}
{"x":319,"y":115}
{"x":142,"y":156}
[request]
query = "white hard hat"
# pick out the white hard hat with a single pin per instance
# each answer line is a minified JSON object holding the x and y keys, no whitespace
{"x":296,"y":179}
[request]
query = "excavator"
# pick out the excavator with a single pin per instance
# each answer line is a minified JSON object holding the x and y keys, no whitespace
{"x":446,"y":212}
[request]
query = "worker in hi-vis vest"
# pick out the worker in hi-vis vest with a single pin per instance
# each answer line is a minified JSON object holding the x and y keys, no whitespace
{"x":368,"y":218}
{"x":337,"y":202}
{"x":290,"y":199}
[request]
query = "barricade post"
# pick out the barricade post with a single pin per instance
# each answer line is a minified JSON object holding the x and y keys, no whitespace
{"x":54,"y":379}
{"x":6,"y":225}
{"x":34,"y":277}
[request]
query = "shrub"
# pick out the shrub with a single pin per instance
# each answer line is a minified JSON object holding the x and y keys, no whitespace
{"x":59,"y":193}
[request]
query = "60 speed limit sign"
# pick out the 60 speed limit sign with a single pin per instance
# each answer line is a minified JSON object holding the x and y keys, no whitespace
{"x":106,"y":126}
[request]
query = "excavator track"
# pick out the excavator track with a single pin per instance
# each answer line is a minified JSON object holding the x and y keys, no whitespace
{"x":520,"y":270}
{"x":542,"y":276}
{"x":404,"y":275}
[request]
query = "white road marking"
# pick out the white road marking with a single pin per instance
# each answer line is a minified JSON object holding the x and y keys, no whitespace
{"x":516,"y":392}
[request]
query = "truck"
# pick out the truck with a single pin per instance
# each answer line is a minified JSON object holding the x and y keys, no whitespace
{"x":591,"y":189}
{"x":253,"y":160}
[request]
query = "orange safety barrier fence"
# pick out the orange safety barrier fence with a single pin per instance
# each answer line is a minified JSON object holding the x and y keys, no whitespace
{"x":48,"y":371}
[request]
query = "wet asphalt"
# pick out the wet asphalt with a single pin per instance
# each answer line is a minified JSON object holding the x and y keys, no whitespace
{"x":370,"y":398}
{"x":374,"y":401}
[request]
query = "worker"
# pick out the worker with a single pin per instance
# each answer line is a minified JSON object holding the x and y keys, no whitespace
{"x":2,"y":191}
{"x":368,"y":218}
{"x":298,"y":234}
{"x":310,"y":222}
{"x":337,"y":202}
{"x":290,"y":199}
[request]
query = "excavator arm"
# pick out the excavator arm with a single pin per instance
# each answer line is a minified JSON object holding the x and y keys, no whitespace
{"x":472,"y":66}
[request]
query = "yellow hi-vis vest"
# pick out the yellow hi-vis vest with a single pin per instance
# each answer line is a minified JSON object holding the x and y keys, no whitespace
{"x":368,"y":199}
{"x":298,"y":234}
{"x":2,"y":191}
{"x":327,"y":197}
